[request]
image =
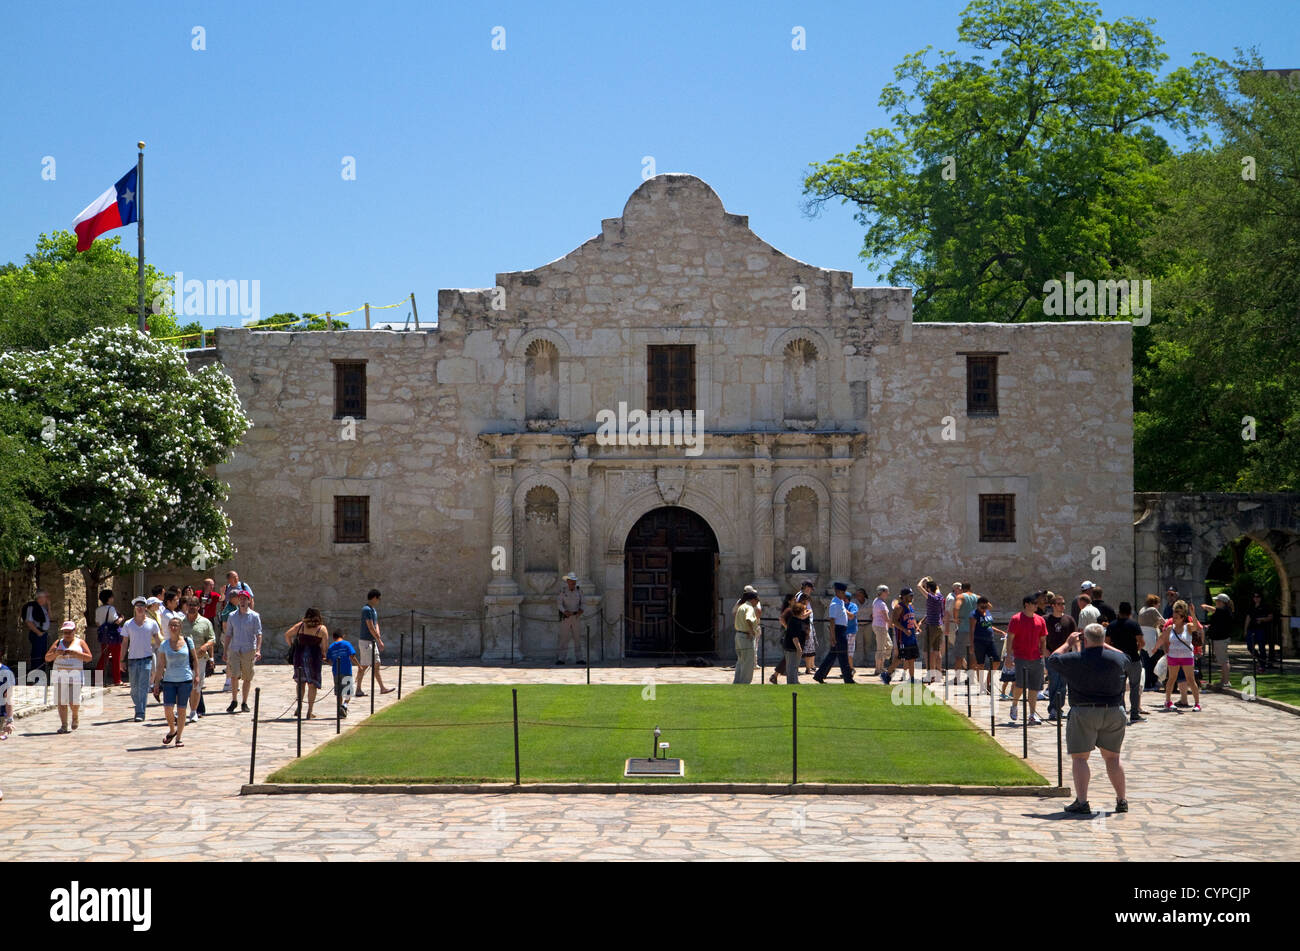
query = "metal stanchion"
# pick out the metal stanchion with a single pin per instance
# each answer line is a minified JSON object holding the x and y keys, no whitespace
{"x":514,"y":703}
{"x":1022,"y":674}
{"x":401,"y":657}
{"x":588,"y":653}
{"x":252,"y":760}
{"x":794,"y":738}
{"x":762,"y":655}
{"x":372,"y":680}
{"x":993,"y":719}
{"x":512,"y":637}
{"x":943,"y":666}
{"x":423,"y":654}
{"x":299,"y":716}
{"x":1060,"y":774}
{"x":338,"y":705}
{"x":968,"y":694}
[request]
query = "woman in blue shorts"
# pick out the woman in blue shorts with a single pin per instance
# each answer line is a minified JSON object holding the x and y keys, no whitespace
{"x":176,"y":674}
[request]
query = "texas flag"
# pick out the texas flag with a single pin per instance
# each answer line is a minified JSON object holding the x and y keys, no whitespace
{"x":113,"y":209}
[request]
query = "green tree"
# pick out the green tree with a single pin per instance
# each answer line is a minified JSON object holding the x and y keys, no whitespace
{"x":1216,"y":402}
{"x":129,"y":441}
{"x":23,"y":481}
{"x":59,"y":293}
{"x":294,"y":323}
{"x":1000,"y":175}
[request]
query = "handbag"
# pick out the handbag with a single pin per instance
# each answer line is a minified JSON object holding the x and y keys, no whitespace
{"x":209,"y":667}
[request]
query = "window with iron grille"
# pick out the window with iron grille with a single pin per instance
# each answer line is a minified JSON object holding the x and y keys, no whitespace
{"x":997,"y":518}
{"x":351,"y":519}
{"x":670,"y":377}
{"x":981,"y":385}
{"x":350,"y":389}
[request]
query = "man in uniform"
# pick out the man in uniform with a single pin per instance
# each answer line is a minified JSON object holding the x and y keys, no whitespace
{"x":746,"y":623}
{"x":838,"y":615}
{"x":569,"y":603}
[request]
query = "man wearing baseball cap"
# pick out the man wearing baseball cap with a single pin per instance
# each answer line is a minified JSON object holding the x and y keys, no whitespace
{"x":243,"y":644}
{"x":138,"y":634}
{"x":569,"y":603}
{"x":839,"y":617}
{"x":1074,"y":606}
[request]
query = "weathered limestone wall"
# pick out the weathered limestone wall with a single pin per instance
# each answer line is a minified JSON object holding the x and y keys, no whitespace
{"x":1062,"y":442}
{"x":822,"y":405}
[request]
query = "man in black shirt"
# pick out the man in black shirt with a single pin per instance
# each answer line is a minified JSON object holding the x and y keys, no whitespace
{"x":1107,"y":612}
{"x":1095,"y":676}
{"x":1259,"y":622}
{"x":1126,"y":635}
{"x":1059,"y":628}
{"x":1219,"y":633}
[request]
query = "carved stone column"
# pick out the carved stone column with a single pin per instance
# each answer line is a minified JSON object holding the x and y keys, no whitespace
{"x":580,"y":519}
{"x":840,"y":519}
{"x":503,"y":525}
{"x":762,"y":512}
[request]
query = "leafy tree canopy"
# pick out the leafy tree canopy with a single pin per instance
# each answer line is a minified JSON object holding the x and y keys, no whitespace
{"x":1005,"y":170}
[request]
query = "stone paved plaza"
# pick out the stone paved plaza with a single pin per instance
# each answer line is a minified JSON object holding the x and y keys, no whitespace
{"x":1219,"y":785}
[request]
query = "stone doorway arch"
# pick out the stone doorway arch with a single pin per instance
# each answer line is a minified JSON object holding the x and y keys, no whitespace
{"x":670,"y":585}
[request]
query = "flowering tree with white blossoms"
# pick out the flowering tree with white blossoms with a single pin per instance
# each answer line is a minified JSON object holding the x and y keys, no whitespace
{"x":129,"y":438}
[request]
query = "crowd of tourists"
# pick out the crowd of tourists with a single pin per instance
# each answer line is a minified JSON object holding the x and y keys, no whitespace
{"x":924,"y":634}
{"x":170,"y":643}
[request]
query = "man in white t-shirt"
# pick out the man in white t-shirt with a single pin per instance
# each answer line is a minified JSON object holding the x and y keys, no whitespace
{"x":880,"y":627}
{"x":139,"y":634}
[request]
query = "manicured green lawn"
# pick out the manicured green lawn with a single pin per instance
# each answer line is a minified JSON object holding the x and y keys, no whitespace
{"x":462,"y":733}
{"x":1284,"y":688}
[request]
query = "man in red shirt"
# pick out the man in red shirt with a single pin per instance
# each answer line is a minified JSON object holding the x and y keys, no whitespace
{"x":1028,"y":639}
{"x":209,"y":599}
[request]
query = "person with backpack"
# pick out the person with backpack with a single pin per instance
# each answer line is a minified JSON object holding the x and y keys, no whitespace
{"x":108,"y":631}
{"x":35,"y":615}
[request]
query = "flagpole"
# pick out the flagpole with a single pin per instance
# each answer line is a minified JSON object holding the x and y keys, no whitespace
{"x":139,"y":228}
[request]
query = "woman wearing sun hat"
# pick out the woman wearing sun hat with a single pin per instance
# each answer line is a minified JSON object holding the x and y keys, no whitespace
{"x":69,"y":655}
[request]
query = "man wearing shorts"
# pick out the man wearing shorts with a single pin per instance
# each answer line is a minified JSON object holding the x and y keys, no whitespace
{"x":932,"y":632}
{"x":985,"y":649}
{"x":1028,"y":637}
{"x":371,"y":643}
{"x":243,"y":646}
{"x":1095,"y":677}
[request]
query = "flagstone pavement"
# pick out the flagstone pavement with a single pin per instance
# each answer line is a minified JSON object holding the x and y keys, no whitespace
{"x":1218,"y":785}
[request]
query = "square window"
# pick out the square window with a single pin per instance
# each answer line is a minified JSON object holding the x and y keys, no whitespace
{"x":997,"y":518}
{"x":350,"y":389}
{"x":351,"y":519}
{"x":670,"y":377}
{"x":981,"y":385}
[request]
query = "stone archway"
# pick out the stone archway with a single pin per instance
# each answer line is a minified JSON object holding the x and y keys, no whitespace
{"x":670,"y":585}
{"x":1177,"y":536}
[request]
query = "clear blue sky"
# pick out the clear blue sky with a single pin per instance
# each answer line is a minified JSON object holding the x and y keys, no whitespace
{"x":468,"y":161}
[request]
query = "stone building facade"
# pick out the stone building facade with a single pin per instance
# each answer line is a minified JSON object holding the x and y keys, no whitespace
{"x":460,"y":469}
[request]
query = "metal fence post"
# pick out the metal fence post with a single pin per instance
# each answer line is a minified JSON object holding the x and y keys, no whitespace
{"x":423,"y":654}
{"x":514,"y":703}
{"x":588,"y":653}
{"x":373,"y":665}
{"x":794,"y":737}
{"x":300,"y":687}
{"x":252,"y":760}
{"x":1023,"y":674}
{"x":512,"y":637}
{"x":968,"y":694}
{"x":1060,"y":775}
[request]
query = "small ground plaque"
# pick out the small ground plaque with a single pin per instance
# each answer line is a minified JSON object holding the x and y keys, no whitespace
{"x":660,"y":766}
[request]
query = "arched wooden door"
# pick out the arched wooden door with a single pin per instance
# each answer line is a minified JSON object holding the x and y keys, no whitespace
{"x":670,"y":585}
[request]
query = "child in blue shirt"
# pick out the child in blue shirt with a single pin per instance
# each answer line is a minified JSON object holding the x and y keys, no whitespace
{"x":340,"y":654}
